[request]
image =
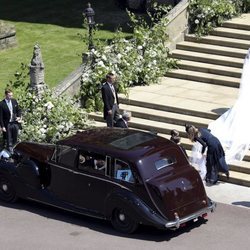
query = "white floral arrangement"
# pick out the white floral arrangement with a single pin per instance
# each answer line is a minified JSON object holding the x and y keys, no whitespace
{"x":140,"y":60}
{"x":46,"y":118}
{"x":205,"y":15}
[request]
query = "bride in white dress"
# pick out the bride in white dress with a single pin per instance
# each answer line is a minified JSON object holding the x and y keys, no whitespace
{"x":233,"y":127}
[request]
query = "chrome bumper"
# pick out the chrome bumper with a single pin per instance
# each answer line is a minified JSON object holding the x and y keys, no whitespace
{"x":177,"y":222}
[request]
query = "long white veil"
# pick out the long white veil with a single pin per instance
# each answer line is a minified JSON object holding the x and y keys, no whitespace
{"x":233,"y":127}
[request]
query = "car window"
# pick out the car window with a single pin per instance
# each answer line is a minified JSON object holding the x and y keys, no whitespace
{"x":122,"y":171}
{"x":92,"y":162}
{"x":131,"y":141}
{"x":161,"y":162}
{"x":165,"y":162}
{"x":66,"y":155}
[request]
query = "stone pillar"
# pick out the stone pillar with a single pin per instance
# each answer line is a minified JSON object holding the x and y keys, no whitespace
{"x":37,"y":83}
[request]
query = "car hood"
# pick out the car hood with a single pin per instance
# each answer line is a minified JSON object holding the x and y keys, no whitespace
{"x":39,"y":151}
{"x":182,"y":193}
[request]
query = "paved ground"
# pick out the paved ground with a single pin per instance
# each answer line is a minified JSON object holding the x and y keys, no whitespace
{"x":29,"y":226}
{"x":230,"y":194}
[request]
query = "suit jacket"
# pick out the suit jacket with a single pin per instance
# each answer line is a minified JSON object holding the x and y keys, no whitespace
{"x":108,"y":98}
{"x":5,"y":112}
{"x":121,"y":123}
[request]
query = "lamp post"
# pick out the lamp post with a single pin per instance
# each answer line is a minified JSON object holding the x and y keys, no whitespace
{"x":89,"y":15}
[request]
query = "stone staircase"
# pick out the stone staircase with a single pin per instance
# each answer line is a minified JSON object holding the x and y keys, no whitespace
{"x":203,"y":87}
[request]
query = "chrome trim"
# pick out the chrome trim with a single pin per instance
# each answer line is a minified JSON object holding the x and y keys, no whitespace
{"x":95,"y":177}
{"x":177,"y":222}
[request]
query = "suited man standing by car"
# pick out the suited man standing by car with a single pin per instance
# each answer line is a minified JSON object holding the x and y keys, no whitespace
{"x":10,"y":117}
{"x":110,"y":100}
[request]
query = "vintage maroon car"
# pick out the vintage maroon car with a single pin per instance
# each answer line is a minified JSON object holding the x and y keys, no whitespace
{"x":123,"y":175}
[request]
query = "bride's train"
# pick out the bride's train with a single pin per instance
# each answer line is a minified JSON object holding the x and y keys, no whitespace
{"x":233,"y":127}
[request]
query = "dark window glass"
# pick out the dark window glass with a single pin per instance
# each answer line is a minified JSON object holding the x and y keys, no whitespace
{"x":163,"y":163}
{"x":92,"y":163}
{"x":66,"y":156}
{"x":131,"y":141}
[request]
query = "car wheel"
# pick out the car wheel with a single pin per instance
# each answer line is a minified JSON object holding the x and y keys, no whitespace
{"x":7,"y":192}
{"x":122,"y":222}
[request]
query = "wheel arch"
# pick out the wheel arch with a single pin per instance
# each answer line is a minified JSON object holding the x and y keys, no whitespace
{"x":137,"y":209}
{"x":28,"y":171}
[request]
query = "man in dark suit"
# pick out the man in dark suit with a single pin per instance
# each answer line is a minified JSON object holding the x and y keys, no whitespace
{"x":123,"y":121}
{"x":10,"y":117}
{"x":110,"y":100}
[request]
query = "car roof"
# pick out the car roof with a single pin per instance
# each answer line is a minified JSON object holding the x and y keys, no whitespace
{"x":116,"y":141}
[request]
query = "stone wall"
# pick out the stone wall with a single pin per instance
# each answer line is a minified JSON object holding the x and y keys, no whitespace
{"x":71,"y":84}
{"x":7,"y":36}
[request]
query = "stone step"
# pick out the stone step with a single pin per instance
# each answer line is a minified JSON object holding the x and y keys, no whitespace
{"x":209,"y":68}
{"x":240,"y":23}
{"x":181,"y":110}
{"x":231,"y":33}
{"x":233,"y":25}
{"x":208,"y":58}
{"x":242,"y":166}
{"x":165,"y":116}
{"x":212,"y":49}
{"x":144,"y":124}
{"x":205,"y":77}
{"x":182,"y":96}
{"x":222,"y":41}
{"x":237,"y":178}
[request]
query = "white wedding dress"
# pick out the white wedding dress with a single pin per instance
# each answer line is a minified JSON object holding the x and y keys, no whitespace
{"x":233,"y":127}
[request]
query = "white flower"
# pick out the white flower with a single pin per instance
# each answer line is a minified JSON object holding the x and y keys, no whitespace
{"x":49,"y":105}
{"x":104,"y":58}
{"x":100,"y":63}
{"x":153,"y":54}
{"x":119,"y":56}
{"x":139,"y":47}
{"x":42,"y":130}
{"x":196,"y":21}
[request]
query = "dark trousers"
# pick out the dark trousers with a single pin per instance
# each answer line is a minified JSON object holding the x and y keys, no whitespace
{"x":110,"y":119}
{"x":10,"y":136}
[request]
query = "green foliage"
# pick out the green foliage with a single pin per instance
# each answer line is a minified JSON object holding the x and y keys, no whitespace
{"x":140,"y":60}
{"x":46,"y":118}
{"x":205,"y":15}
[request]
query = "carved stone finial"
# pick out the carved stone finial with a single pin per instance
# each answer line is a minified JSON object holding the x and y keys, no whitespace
{"x":36,"y":67}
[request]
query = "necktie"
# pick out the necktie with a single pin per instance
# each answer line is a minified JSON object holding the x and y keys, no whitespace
{"x":9,"y":104}
{"x":113,"y":91}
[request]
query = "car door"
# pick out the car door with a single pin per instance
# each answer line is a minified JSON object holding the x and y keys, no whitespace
{"x":91,"y":181}
{"x":62,"y":172}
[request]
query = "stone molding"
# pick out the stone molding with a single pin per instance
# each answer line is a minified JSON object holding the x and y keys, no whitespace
{"x":177,"y":24}
{"x":71,"y":84}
